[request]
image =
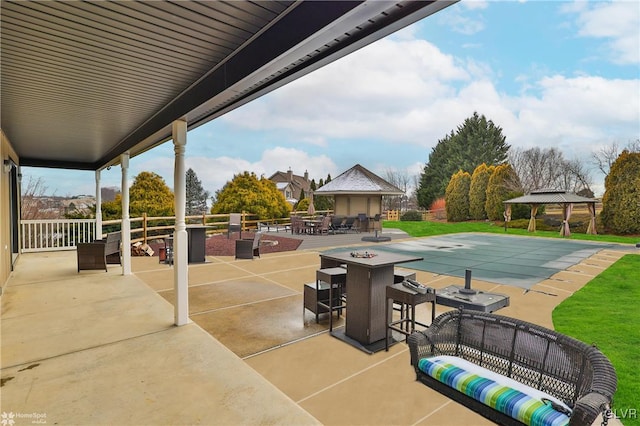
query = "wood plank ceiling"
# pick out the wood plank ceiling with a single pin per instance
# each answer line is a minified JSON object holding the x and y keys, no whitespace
{"x":83,"y":82}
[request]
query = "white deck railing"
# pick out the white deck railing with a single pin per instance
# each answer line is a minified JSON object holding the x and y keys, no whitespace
{"x":63,"y":234}
{"x":56,"y":234}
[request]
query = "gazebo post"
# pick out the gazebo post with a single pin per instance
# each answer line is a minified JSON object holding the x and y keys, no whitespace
{"x":591,"y":229}
{"x":565,"y":231}
{"x":532,"y":221}
{"x":507,"y":216}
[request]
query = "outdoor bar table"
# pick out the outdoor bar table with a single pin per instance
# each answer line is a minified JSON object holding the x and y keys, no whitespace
{"x":367,"y":279}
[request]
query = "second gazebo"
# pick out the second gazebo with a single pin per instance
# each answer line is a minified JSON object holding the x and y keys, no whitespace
{"x":358,"y":190}
{"x":551,"y":196}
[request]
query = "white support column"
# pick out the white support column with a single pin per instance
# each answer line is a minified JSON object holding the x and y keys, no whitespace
{"x":98,"y":207}
{"x":126,"y":221}
{"x":180,"y":268}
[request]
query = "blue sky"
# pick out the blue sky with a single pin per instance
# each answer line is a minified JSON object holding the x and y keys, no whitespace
{"x":549,"y":73}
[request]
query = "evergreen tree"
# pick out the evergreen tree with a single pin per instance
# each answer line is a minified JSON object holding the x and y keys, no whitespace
{"x":478,"y":191}
{"x":457,"y":197}
{"x":436,"y":174}
{"x":498,"y":191}
{"x":245,"y":192}
{"x":196,"y":195}
{"x":322,"y":202}
{"x":621,"y":200}
{"x":476,"y":141}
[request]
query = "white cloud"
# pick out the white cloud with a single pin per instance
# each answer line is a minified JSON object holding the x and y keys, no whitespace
{"x":617,"y":22}
{"x":408,"y":91}
{"x":576,"y":114}
{"x":215,"y":172}
{"x":462,"y":22}
{"x":384,"y":91}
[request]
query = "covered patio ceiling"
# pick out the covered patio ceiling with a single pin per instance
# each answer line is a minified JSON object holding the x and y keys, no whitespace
{"x":83,"y":82}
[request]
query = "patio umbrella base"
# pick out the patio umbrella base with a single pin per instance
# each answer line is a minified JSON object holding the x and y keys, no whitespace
{"x":455,"y":297}
{"x":376,"y":238}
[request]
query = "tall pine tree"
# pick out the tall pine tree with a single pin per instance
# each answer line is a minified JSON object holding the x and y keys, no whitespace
{"x":196,"y":195}
{"x":476,"y":141}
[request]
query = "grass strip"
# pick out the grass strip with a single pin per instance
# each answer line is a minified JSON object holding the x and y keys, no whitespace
{"x":428,"y":229}
{"x":605,"y":312}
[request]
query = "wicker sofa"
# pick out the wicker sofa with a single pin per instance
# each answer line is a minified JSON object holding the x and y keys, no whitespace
{"x":505,"y":369}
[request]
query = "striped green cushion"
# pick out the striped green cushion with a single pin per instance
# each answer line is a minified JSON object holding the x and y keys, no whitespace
{"x":516,"y":403}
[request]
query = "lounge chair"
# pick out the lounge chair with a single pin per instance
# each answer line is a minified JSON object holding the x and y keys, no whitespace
{"x":336,"y":221}
{"x":350,"y":224}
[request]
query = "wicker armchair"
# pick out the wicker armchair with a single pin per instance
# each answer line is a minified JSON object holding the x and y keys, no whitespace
{"x":247,"y":249}
{"x":573,"y":372}
{"x":99,"y":253}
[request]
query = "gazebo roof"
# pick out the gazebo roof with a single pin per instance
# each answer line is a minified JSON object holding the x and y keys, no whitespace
{"x":549,"y":196}
{"x":358,"y":180}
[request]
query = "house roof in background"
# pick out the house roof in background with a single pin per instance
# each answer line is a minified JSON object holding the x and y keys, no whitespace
{"x":298,"y":183}
{"x":358,"y":180}
{"x":83,"y":82}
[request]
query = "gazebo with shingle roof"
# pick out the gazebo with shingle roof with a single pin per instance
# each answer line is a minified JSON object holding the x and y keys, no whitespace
{"x":552,"y":196}
{"x":358,"y":190}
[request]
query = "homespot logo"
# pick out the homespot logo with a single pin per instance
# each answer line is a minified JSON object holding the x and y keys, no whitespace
{"x":622,"y":413}
{"x":11,"y":418}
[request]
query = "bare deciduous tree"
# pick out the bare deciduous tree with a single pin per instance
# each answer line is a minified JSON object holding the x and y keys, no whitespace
{"x":400,"y":179}
{"x":538,"y":168}
{"x":32,"y":205}
{"x":607,"y":155}
{"x":604,"y":157}
{"x":575,"y":177}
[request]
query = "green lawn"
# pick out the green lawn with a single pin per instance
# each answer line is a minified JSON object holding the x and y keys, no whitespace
{"x":427,"y":229}
{"x":605,"y":313}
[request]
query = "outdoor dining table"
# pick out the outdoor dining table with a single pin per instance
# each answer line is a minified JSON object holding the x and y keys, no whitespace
{"x":311,"y":225}
{"x":367,"y":279}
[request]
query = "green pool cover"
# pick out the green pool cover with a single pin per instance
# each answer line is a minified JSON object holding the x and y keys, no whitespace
{"x":502,"y":259}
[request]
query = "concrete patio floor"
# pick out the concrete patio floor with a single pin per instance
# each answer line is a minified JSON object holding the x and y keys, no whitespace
{"x":100,"y":348}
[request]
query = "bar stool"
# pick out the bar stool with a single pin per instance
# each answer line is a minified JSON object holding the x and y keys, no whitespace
{"x":408,"y":300}
{"x":168,"y":250}
{"x":336,"y":278}
{"x":400,"y":274}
